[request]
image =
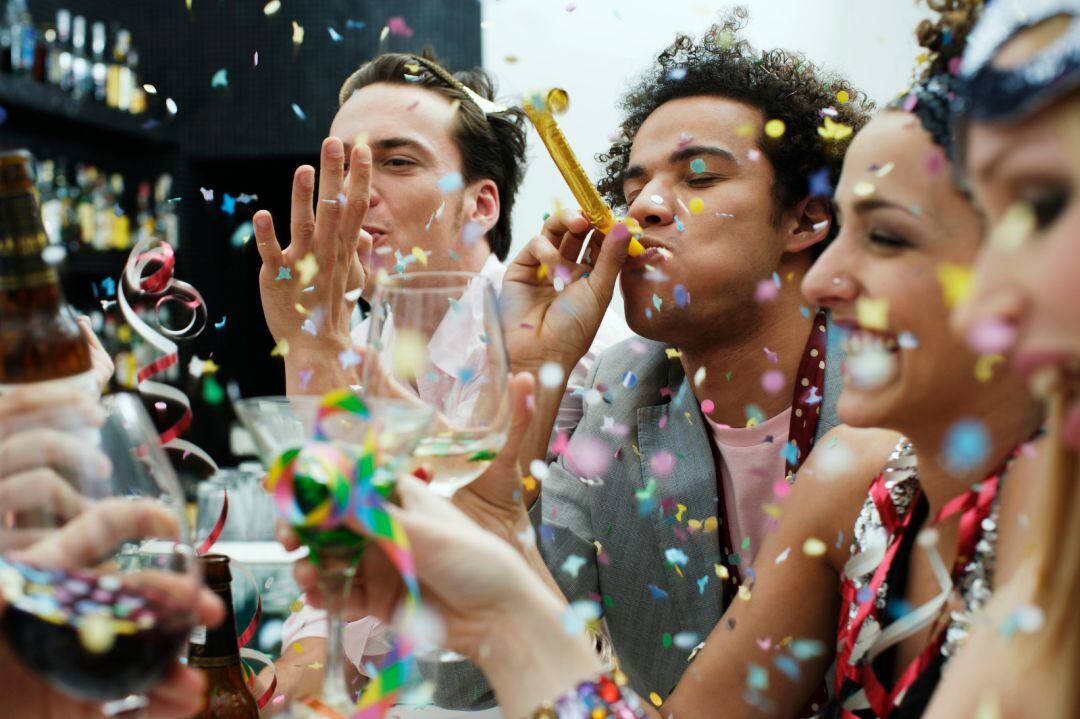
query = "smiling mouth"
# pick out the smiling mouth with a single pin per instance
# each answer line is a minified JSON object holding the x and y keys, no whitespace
{"x":872,"y":359}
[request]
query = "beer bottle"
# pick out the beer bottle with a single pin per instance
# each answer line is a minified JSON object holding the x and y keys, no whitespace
{"x":40,"y":340}
{"x":217,"y":654}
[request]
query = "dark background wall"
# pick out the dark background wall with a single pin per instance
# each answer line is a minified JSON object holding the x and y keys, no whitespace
{"x":243,"y":138}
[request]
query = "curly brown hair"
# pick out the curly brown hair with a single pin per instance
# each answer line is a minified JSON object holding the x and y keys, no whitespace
{"x":945,"y":36}
{"x":492,"y":145}
{"x":783,"y":85}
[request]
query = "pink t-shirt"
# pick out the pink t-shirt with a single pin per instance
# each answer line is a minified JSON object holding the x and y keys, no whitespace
{"x":750,"y":464}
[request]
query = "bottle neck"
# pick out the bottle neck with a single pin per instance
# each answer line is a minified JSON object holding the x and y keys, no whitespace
{"x":216,"y":648}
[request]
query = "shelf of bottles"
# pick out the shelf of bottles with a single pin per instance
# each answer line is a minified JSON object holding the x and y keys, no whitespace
{"x":75,"y":68}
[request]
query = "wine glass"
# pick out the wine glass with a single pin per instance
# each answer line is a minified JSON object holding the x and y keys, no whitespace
{"x":436,"y":338}
{"x":96,"y":565}
{"x":297,"y":427}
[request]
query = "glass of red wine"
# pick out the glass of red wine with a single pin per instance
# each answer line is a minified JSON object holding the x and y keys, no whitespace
{"x":97,"y":571}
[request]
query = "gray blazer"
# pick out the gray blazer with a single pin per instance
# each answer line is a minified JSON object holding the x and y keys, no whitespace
{"x":615,"y":539}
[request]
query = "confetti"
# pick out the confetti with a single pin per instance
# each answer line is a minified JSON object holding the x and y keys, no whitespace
{"x":662,"y":463}
{"x":814,"y":547}
{"x":284,"y":273}
{"x":766,"y":291}
{"x":834,"y":131}
{"x":697,"y":206}
{"x":308,"y":267}
{"x":864,"y":189}
{"x":782,"y":557}
{"x":398,"y":26}
{"x":588,"y":457}
{"x":757,"y":678}
{"x":821,"y":183}
{"x":842,"y":97}
{"x":220,"y":78}
{"x":872,"y":313}
{"x":682,"y":297}
{"x":991,"y":336}
{"x":955,"y":282}
{"x":299,"y":112}
{"x":885,"y":169}
{"x":348,"y":357}
{"x":676,"y":556}
{"x":551,"y":375}
{"x":657,"y":592}
{"x":775,"y":128}
{"x":708,"y":405}
{"x":572,"y":565}
{"x":1015,"y":227}
{"x":629,"y":380}
{"x":966,"y":445}
{"x":773,"y":381}
{"x":450,"y":182}
{"x":655,"y":699}
{"x":272,"y":7}
{"x":334,"y":34}
{"x":281,"y":349}
{"x":297,"y":33}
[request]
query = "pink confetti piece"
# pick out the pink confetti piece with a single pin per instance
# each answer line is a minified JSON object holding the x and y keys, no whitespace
{"x":662,"y":463}
{"x":773,"y":381}
{"x":707,"y":406}
{"x":766,"y":291}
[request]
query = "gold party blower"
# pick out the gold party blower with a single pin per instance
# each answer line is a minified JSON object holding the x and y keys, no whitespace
{"x":541,"y":110}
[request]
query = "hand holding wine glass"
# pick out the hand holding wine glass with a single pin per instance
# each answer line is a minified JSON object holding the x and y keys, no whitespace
{"x":88,"y":615}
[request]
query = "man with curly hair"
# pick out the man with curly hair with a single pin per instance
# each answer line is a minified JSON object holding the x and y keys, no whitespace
{"x":662,"y":494}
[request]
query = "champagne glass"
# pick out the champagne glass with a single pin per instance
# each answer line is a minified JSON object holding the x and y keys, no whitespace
{"x":96,"y":565}
{"x":436,"y":338}
{"x":283,"y":425}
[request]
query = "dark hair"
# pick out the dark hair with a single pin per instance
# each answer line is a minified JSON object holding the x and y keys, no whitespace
{"x":930,"y":98}
{"x":783,"y":85}
{"x":492,"y":145}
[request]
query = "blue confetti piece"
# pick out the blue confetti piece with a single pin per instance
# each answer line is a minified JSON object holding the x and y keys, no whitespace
{"x":820,"y":184}
{"x":757,"y":678}
{"x":679,"y":224}
{"x":701,"y":584}
{"x":657,"y":592}
{"x":966,"y":445}
{"x":334,"y":34}
{"x":450,"y":182}
{"x":790,"y":453}
{"x":677,"y":556}
{"x":355,"y":24}
{"x":284,"y":273}
{"x":776,"y":278}
{"x":3,"y":114}
{"x":465,"y":374}
{"x":686,"y":640}
{"x":228,"y":204}
{"x":805,"y":312}
{"x":697,"y":165}
{"x":108,"y":287}
{"x":864,"y":595}
{"x":547,"y":532}
{"x":657,"y":301}
{"x":682,"y":297}
{"x":221,"y":324}
{"x":299,"y":112}
{"x":803,"y":649}
{"x":787,"y":666}
{"x":220,"y":78}
{"x":678,"y":73}
{"x":629,"y":380}
{"x":572,"y":565}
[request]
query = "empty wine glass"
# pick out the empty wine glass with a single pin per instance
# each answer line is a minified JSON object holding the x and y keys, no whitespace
{"x":96,"y":565}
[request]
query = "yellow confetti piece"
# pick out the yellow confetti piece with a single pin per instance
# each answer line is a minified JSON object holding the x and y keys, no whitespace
{"x":864,"y":189}
{"x":97,"y":633}
{"x":885,"y":169}
{"x":280,"y":349}
{"x":542,"y":271}
{"x":672,"y":353}
{"x":301,"y":309}
{"x":955,"y":282}
{"x":711,"y":524}
{"x":528,"y":483}
{"x":297,"y":33}
{"x":296,"y":605}
{"x":308,"y":268}
{"x":744,"y":593}
{"x":271,"y":7}
{"x":814,"y":547}
{"x":984,"y":366}
{"x":409,"y":357}
{"x":873,"y":314}
{"x":694,"y":524}
{"x":834,"y":131}
{"x":696,"y":206}
{"x":1015,"y":227}
{"x":210,"y":367}
{"x":771,"y":510}
{"x":722,"y":572}
{"x":843,"y":97}
{"x":420,"y":256}
{"x":655,"y":699}
{"x":315,"y":665}
{"x":776,"y":128}
{"x":681,"y":510}
{"x":297,"y":646}
{"x":636,"y":249}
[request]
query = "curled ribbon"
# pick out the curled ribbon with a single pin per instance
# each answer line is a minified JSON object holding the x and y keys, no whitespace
{"x":148,"y":274}
{"x":353,"y":469}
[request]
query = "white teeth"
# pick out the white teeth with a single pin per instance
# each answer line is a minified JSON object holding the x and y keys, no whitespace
{"x":871,"y":359}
